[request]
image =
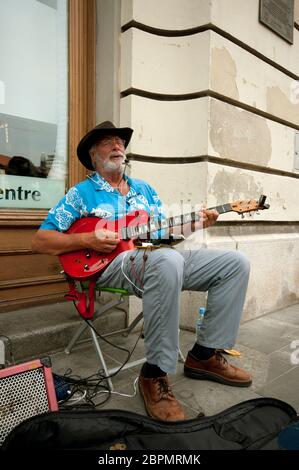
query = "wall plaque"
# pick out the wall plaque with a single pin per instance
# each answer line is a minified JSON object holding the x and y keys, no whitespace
{"x":278,"y":15}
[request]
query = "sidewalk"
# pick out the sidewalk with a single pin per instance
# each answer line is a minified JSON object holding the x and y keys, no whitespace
{"x":265,"y":344}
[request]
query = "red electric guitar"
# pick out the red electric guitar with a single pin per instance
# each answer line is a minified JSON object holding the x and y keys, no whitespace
{"x":88,"y":264}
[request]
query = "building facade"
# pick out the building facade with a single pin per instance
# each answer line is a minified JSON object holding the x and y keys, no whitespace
{"x":212,"y":94}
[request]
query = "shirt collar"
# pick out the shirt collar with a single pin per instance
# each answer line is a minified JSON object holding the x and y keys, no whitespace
{"x":101,"y":184}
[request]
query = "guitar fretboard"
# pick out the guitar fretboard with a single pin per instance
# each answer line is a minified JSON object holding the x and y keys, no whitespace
{"x":144,"y":231}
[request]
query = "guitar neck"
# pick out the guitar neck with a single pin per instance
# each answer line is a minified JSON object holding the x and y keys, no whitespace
{"x":222,"y":209}
{"x":193,"y":216}
{"x":153,"y":225}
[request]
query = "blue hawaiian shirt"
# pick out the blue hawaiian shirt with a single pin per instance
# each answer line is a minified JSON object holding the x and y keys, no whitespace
{"x":96,"y":197}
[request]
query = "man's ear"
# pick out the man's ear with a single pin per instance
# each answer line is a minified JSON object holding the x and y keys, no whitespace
{"x":91,"y":154}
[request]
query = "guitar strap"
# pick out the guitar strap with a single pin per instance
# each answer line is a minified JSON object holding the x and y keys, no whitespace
{"x":83,"y":298}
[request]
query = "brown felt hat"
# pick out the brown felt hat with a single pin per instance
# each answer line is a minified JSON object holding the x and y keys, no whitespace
{"x":101,"y":130}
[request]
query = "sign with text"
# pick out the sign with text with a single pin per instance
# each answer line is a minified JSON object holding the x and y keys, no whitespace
{"x":25,"y":192}
{"x":278,"y":15}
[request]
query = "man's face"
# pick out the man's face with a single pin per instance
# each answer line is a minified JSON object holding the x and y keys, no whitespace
{"x":109,"y":154}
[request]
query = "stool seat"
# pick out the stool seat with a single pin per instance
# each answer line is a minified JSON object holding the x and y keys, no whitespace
{"x":113,"y":290}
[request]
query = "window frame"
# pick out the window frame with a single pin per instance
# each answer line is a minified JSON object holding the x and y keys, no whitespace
{"x":81,"y":100}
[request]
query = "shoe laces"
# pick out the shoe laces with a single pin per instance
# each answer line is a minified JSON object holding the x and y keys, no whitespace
{"x":164,"y":389}
{"x":220,"y":358}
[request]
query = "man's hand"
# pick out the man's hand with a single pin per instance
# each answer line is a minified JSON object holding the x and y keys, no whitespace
{"x":100,"y":240}
{"x":207,"y":217}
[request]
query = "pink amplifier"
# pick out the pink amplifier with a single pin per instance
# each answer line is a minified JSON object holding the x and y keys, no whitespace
{"x":25,"y":390}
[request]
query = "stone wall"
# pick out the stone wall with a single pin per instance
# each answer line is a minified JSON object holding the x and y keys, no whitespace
{"x":213,"y":97}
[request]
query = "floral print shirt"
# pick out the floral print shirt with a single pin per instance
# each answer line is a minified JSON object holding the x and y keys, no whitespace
{"x":96,"y":197}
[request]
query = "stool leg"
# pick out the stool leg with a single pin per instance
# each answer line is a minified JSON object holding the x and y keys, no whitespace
{"x":181,"y":356}
{"x":103,"y":309}
{"x":128,"y":365}
{"x":75,"y":338}
{"x":133,"y":324}
{"x":101,"y":357}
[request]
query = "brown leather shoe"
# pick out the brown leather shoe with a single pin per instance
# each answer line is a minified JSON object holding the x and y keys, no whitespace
{"x":159,"y":401}
{"x":218,"y":369}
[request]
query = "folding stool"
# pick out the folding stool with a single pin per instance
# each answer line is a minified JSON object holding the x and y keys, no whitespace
{"x":120,"y":295}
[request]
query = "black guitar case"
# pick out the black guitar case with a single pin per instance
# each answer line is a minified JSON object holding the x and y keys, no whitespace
{"x":262,"y":423}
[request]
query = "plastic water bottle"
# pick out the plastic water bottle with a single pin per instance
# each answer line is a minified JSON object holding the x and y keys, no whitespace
{"x":200,"y":319}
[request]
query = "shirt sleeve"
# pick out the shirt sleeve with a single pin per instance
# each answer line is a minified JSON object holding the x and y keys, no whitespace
{"x":69,"y":209}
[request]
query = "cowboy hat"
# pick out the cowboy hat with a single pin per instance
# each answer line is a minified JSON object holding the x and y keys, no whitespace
{"x":101,"y":130}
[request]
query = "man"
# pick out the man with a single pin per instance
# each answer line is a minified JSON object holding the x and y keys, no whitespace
{"x":158,"y":275}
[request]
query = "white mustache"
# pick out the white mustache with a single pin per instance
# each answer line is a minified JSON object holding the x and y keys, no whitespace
{"x":116,"y":154}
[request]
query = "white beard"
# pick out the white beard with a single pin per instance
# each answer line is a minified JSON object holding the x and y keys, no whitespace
{"x":112,"y":167}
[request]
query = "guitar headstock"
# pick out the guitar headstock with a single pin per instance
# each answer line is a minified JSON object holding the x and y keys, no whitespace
{"x":250,"y":205}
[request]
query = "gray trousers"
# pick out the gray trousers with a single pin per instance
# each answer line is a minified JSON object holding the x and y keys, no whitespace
{"x":162,"y":277}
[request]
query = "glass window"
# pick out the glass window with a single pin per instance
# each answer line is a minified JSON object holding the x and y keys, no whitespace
{"x":33,"y":103}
